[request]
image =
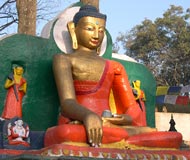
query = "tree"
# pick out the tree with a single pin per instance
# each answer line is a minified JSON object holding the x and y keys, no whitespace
{"x":162,"y":45}
{"x":46,"y":9}
{"x":27,"y":16}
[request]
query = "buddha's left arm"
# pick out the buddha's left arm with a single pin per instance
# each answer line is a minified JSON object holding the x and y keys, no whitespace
{"x":122,"y":90}
{"x":126,"y":104}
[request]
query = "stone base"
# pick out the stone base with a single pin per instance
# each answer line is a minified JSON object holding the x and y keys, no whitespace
{"x":62,"y":151}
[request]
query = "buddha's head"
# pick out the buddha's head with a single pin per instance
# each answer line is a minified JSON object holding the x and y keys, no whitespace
{"x":87,"y":28}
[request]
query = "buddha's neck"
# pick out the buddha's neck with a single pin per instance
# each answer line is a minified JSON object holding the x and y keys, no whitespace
{"x":84,"y":51}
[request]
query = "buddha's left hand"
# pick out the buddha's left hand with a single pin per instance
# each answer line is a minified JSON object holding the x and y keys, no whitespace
{"x":119,"y":119}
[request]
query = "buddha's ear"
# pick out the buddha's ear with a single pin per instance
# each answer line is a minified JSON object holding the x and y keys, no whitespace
{"x":71,"y":28}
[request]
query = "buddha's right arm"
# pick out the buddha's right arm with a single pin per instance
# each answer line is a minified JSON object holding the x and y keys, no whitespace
{"x":70,"y":108}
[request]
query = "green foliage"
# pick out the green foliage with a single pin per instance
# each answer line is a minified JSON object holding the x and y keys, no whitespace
{"x":163,"y":46}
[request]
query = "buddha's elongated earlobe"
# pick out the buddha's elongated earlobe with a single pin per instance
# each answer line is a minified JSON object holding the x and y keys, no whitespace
{"x":98,"y":50}
{"x":71,"y":28}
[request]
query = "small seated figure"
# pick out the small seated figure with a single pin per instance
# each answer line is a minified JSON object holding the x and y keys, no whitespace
{"x":18,"y":133}
{"x":84,"y":81}
{"x":16,"y":86}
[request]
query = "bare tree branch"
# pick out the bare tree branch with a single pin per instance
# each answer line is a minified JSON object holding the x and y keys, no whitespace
{"x":46,"y":10}
{"x":7,"y":25}
{"x":6,"y":3}
{"x":8,"y":15}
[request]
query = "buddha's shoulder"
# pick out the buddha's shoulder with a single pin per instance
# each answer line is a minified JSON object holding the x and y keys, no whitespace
{"x":113,"y":62}
{"x":62,"y":55}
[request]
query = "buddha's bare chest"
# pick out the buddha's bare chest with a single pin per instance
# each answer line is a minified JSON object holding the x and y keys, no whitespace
{"x":88,"y":69}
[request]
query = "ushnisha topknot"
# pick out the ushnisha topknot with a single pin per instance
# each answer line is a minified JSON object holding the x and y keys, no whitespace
{"x":88,"y":10}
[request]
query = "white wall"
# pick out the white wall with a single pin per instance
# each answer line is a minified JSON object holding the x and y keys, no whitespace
{"x":182,"y":121}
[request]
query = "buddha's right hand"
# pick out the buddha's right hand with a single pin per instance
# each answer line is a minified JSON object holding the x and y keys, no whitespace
{"x":93,"y":125}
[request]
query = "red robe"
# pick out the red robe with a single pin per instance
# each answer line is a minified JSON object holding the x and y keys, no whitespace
{"x":95,"y":96}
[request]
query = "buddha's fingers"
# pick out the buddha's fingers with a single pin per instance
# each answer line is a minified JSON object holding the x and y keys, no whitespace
{"x":95,"y":137}
{"x":89,"y":136}
{"x":100,"y":134}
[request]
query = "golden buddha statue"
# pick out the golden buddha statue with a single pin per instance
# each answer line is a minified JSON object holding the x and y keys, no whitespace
{"x":84,"y":81}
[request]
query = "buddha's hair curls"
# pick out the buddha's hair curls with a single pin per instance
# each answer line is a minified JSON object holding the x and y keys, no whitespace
{"x":88,"y":10}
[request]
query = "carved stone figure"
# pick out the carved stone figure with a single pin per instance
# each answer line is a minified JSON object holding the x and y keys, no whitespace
{"x":18,"y":133}
{"x":16,"y":88}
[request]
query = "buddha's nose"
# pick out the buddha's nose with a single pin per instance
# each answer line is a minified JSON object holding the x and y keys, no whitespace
{"x":95,"y":35}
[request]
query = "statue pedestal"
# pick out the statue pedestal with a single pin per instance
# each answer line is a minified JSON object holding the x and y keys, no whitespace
{"x":72,"y":152}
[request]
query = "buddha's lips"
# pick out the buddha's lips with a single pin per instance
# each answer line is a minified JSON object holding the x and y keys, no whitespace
{"x":95,"y":41}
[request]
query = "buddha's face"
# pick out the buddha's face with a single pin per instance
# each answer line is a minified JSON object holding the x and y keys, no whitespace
{"x":90,"y":32}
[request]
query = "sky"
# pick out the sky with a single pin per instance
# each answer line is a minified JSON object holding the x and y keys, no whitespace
{"x":123,"y":15}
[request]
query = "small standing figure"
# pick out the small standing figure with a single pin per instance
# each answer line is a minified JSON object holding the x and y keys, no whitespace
{"x":16,"y":86}
{"x":139,"y":96}
{"x":18,"y":133}
{"x":172,"y":124}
